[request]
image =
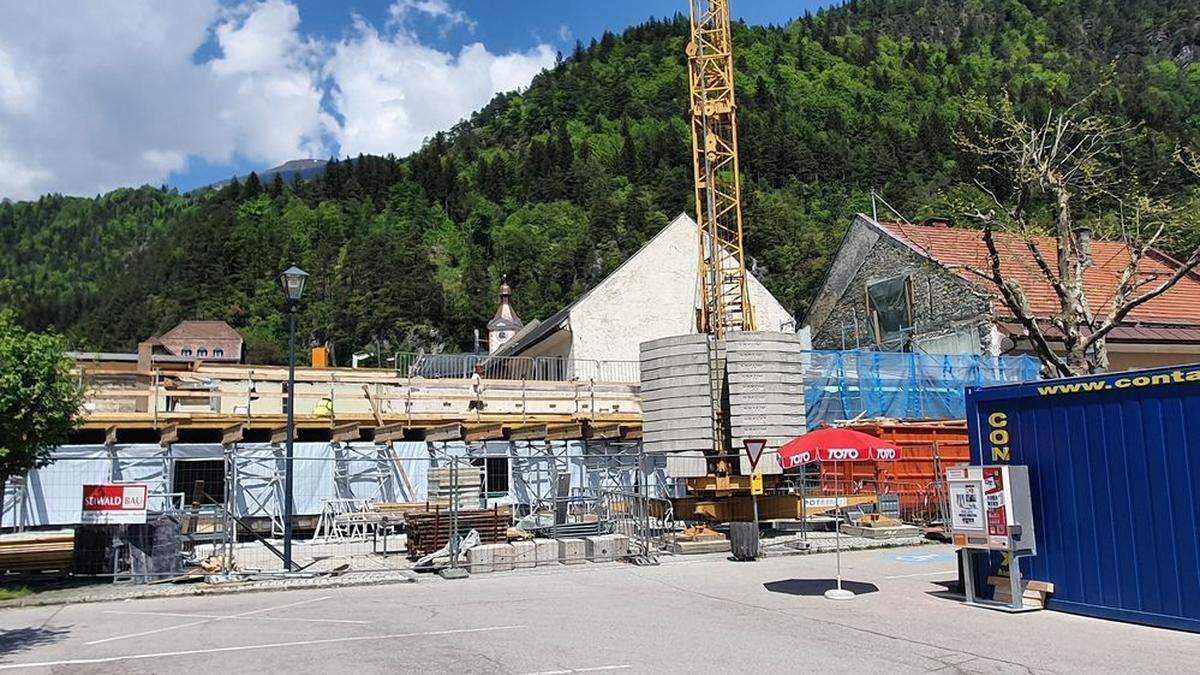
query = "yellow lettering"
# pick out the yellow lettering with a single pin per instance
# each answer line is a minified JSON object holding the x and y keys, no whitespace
{"x":1000,"y":453}
{"x":1193,"y":376}
{"x":998,"y":436}
{"x":1122,"y":383}
{"x":1141,"y":381}
{"x":1161,"y":379}
{"x":997,"y":419}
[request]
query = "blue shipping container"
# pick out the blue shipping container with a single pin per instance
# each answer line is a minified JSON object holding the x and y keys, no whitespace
{"x":1114,"y":470}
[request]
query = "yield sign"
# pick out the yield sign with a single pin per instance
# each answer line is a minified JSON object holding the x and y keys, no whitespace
{"x":754,"y":450}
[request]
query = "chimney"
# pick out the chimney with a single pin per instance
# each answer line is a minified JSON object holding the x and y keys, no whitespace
{"x":145,"y":356}
{"x":1082,"y":236}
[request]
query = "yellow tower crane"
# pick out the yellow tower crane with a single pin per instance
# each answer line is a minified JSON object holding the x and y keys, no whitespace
{"x":724,"y":297}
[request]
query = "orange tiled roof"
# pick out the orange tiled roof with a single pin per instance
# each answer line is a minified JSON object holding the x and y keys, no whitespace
{"x":958,"y":249}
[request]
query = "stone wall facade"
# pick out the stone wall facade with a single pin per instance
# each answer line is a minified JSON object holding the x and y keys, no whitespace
{"x":942,"y":302}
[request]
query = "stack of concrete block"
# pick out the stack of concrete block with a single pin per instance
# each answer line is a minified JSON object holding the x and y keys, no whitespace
{"x":502,"y":557}
{"x":676,"y":391}
{"x":620,"y":546}
{"x":524,"y":554}
{"x":490,"y":558}
{"x":571,"y":551}
{"x":599,"y":548}
{"x":766,"y":393}
{"x":479,"y":559}
{"x":546,"y":551}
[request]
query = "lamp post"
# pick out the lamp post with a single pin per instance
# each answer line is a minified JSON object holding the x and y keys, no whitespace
{"x":292,"y":283}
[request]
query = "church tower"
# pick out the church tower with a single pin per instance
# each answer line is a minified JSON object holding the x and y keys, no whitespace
{"x":506,"y":323}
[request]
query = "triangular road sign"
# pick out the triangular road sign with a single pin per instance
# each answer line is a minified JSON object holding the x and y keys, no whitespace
{"x":754,"y":450}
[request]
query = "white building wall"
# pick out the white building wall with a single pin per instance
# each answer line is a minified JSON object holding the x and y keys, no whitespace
{"x":654,"y":295}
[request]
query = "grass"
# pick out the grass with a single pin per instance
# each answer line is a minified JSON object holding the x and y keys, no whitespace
{"x":14,"y":592}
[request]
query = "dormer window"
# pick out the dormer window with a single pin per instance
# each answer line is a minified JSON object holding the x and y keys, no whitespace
{"x":202,"y":352}
{"x":218,"y":353}
{"x":186,"y":351}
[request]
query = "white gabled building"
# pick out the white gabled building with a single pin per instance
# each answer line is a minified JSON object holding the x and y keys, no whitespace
{"x":653,"y":294}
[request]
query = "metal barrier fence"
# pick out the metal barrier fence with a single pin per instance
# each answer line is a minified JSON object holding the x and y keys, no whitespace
{"x":537,"y":368}
{"x":217,"y":512}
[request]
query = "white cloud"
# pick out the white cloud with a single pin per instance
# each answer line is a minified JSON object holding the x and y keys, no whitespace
{"x":111,"y":93}
{"x":392,"y":92}
{"x":438,"y":9}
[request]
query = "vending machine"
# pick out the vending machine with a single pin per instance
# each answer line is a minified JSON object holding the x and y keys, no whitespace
{"x":990,"y":510}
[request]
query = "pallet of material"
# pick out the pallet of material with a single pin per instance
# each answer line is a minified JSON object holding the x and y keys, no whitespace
{"x":429,"y":531}
{"x":37,"y":551}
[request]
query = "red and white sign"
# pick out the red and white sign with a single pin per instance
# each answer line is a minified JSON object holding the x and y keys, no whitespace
{"x":993,"y":492}
{"x":113,"y":504}
{"x":754,"y":450}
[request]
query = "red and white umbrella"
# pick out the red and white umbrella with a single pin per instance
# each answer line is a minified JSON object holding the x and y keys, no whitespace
{"x":835,"y":445}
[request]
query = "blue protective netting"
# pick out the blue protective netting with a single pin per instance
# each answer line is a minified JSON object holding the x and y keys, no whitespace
{"x":841,"y":385}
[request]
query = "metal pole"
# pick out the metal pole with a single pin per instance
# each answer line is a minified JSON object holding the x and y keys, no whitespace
{"x":291,"y":437}
{"x":837,"y":529}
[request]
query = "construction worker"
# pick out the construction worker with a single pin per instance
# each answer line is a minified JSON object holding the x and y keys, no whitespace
{"x":476,"y":403}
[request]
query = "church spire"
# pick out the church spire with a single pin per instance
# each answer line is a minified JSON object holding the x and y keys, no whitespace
{"x":506,"y":323}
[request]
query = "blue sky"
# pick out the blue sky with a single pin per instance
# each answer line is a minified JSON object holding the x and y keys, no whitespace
{"x":188,"y":92}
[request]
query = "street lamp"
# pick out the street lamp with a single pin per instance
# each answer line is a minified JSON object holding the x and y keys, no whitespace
{"x":292,"y":283}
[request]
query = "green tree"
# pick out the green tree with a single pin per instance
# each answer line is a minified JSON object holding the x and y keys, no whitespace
{"x":40,"y":402}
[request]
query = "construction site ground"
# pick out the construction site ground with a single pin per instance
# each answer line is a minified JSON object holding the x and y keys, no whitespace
{"x":702,"y":614}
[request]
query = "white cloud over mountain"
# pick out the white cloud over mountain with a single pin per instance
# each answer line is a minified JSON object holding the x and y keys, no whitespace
{"x":111,"y":93}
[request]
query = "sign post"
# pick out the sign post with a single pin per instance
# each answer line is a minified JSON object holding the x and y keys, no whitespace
{"x":754,"y":449}
{"x":113,"y":504}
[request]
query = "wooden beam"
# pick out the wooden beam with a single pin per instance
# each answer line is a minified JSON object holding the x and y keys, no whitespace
{"x":532,"y":432}
{"x":344,"y":433}
{"x":233,"y":434}
{"x":631,"y":433}
{"x":110,"y":435}
{"x":389,"y":432}
{"x":573,"y":431}
{"x":168,"y":434}
{"x":279,"y":435}
{"x":604,"y":432}
{"x":366,"y":389}
{"x":486,"y":432}
{"x":446,"y":432}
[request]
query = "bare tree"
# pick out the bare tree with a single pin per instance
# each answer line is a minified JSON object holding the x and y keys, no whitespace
{"x":1042,"y":175}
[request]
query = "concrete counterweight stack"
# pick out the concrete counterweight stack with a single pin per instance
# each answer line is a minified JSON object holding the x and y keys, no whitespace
{"x":703,"y":396}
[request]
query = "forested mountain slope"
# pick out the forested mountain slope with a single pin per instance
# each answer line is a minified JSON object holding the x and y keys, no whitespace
{"x":556,"y":185}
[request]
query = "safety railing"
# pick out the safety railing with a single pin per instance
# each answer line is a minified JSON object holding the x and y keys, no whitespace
{"x":536,"y":368}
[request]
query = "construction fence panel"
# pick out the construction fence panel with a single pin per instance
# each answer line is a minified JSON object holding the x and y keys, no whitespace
{"x":356,"y":506}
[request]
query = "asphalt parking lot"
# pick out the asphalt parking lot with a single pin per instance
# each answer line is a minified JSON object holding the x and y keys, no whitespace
{"x":687,"y":615}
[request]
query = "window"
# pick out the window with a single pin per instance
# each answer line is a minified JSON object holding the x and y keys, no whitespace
{"x":207,"y":474}
{"x":889,"y":308}
{"x":202,"y":352}
{"x":218,"y":353}
{"x":186,"y":351}
{"x":495,"y":475}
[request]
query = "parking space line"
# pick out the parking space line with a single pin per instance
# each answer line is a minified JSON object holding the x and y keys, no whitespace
{"x":921,"y":574}
{"x":243,"y":648}
{"x":593,"y":669}
{"x":247,"y":618}
{"x":204,"y":621}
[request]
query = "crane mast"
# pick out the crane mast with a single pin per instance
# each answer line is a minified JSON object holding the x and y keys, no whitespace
{"x":724,"y":297}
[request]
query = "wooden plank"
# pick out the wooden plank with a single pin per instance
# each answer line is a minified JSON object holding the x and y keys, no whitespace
{"x":604,"y":432}
{"x":345,"y":433}
{"x":168,"y":434}
{"x":445,"y":432}
{"x":233,"y":434}
{"x":366,"y":389}
{"x":486,"y":432}
{"x":532,"y":432}
{"x":631,"y":433}
{"x":1026,"y":584}
{"x":573,"y":431}
{"x":110,"y":435}
{"x":279,"y":435}
{"x":390,"y":432}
